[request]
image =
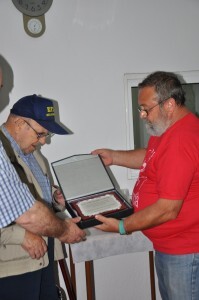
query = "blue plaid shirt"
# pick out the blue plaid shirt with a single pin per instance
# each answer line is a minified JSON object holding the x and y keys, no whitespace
{"x":15,"y":197}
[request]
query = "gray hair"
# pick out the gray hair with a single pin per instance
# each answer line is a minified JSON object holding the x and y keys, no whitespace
{"x":167,"y":85}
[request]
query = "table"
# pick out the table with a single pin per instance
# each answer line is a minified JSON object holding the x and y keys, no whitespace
{"x":101,"y":244}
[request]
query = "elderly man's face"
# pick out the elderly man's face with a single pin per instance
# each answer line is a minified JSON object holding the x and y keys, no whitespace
{"x":30,"y":135}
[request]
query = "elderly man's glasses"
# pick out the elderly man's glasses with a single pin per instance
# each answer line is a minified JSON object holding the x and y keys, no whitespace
{"x":145,"y":112}
{"x":40,"y":135}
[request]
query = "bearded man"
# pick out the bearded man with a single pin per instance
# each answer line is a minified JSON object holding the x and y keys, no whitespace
{"x":166,"y":194}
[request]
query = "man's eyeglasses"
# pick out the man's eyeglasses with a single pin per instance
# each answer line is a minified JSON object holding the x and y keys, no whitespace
{"x":145,"y":112}
{"x":40,"y":135}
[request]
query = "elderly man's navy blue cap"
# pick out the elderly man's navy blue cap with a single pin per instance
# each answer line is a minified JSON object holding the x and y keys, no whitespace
{"x":39,"y":109}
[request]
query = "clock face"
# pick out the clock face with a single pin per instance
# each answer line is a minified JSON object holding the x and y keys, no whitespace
{"x":33,"y":8}
{"x":34,"y":26}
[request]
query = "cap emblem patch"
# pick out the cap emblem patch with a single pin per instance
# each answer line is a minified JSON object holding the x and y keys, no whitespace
{"x":50,"y":111}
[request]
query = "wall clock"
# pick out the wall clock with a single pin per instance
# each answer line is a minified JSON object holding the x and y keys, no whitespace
{"x":33,"y":15}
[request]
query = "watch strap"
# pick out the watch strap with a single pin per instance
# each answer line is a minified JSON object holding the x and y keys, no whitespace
{"x":122,"y":230}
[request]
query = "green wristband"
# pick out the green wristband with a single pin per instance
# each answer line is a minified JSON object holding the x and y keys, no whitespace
{"x":122,"y":230}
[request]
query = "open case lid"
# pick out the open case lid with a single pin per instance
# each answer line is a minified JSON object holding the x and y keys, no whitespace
{"x":82,"y":175}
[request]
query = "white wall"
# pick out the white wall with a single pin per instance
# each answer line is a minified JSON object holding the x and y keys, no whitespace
{"x":80,"y":61}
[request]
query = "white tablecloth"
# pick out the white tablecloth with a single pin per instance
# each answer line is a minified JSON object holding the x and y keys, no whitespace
{"x":101,"y":244}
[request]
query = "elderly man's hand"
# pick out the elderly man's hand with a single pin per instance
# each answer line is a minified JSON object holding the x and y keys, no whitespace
{"x":73,"y":234}
{"x":34,"y":245}
{"x":59,"y":197}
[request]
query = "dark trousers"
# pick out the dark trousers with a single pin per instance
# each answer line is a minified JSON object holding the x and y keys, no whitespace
{"x":38,"y":285}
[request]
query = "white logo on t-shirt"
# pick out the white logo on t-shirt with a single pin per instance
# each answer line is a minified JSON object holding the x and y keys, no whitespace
{"x":140,"y":181}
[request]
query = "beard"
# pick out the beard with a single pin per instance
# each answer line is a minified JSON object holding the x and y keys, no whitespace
{"x":158,"y":127}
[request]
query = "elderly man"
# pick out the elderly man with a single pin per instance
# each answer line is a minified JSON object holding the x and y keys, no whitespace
{"x":31,"y":121}
{"x":17,"y":204}
{"x":166,"y":194}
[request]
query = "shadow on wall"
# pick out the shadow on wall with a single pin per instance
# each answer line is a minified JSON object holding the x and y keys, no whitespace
{"x":8,"y":82}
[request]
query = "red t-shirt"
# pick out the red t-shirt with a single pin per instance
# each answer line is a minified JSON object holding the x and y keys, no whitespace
{"x":171,"y":171}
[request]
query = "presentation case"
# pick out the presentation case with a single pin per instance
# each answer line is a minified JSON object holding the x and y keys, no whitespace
{"x":85,"y":177}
